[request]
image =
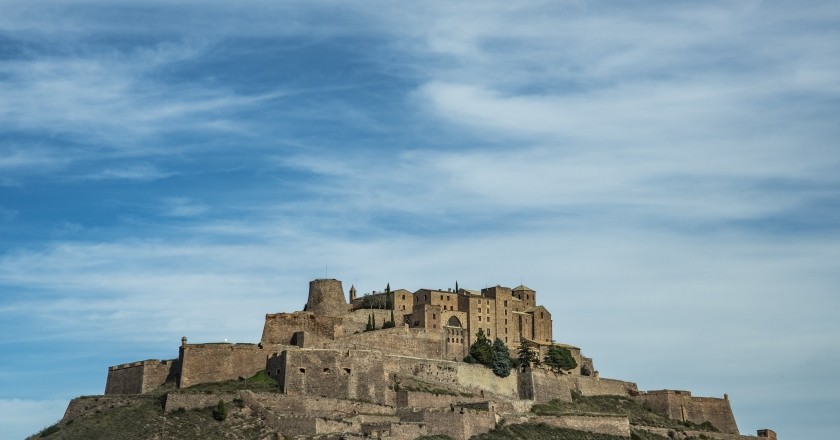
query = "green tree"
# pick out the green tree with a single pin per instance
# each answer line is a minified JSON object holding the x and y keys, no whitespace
{"x":481,"y":350}
{"x":560,"y":358}
{"x":220,"y":412}
{"x":501,"y":364}
{"x":526,"y":355}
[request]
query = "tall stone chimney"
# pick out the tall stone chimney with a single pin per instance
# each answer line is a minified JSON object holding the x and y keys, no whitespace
{"x":326,"y":297}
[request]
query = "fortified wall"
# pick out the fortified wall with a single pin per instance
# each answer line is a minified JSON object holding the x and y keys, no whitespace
{"x":681,"y":405}
{"x":140,"y":377}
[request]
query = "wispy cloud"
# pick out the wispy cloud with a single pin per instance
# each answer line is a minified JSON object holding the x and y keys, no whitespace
{"x":651,"y":166}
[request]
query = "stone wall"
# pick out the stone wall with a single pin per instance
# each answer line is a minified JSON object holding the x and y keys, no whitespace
{"x":681,"y":405}
{"x":284,"y":403}
{"x":280,"y":328}
{"x":338,"y":374}
{"x":370,"y":375}
{"x":419,"y":399}
{"x":596,"y":386}
{"x":458,"y":423}
{"x":140,"y":377}
{"x":610,"y":425}
{"x":547,"y":386}
{"x":401,"y":340}
{"x":203,"y":363}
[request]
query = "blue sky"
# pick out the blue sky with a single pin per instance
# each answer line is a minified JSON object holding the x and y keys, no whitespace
{"x":664,"y":174}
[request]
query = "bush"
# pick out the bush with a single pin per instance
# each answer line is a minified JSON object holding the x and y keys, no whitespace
{"x":560,"y":358}
{"x":50,"y":431}
{"x":481,"y":350}
{"x":220,"y":413}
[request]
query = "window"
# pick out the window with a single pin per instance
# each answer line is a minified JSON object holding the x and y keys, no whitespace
{"x":403,"y":297}
{"x":303,"y":370}
{"x":488,"y":319}
{"x":505,"y":303}
{"x":326,"y":370}
{"x":434,"y":316}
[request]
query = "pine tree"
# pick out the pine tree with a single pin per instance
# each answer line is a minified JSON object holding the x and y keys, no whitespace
{"x":481,"y":350}
{"x":501,"y":363}
{"x":560,"y":358}
{"x":526,"y":355}
{"x":456,"y":286}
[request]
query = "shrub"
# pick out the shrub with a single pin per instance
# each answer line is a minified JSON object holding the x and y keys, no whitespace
{"x":220,"y":413}
{"x":481,"y":350}
{"x":560,"y":358}
{"x":50,"y":431}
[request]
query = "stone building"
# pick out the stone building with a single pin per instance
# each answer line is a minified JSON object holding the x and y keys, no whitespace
{"x":511,"y":315}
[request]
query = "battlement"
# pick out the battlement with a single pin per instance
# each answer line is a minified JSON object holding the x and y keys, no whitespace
{"x":150,"y":362}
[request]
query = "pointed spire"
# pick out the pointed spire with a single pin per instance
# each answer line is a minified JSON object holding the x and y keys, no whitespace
{"x":352,"y":292}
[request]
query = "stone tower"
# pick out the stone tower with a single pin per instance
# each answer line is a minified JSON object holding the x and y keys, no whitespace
{"x":326,"y":297}
{"x":352,"y":293}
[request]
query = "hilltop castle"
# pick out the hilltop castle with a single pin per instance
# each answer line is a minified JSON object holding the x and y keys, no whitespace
{"x":325,"y":357}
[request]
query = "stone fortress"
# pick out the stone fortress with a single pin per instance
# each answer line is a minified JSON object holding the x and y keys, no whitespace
{"x":409,"y":380}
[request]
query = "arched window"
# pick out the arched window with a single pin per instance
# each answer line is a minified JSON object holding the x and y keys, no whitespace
{"x":454,"y":322}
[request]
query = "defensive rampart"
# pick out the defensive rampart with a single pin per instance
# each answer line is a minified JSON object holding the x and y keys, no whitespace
{"x":611,"y":425}
{"x":596,"y":386}
{"x":203,"y":363}
{"x":681,"y":405}
{"x":140,"y":377}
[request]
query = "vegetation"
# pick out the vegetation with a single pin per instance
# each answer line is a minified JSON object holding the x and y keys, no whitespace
{"x":371,"y":324}
{"x":526,"y":354}
{"x":615,"y":405}
{"x":390,"y":324}
{"x":560,"y":358}
{"x":501,"y":364}
{"x":143,"y":419}
{"x":541,"y":432}
{"x":221,"y":412}
{"x":258,"y":382}
{"x":481,"y":350}
{"x":495,"y":356}
{"x":49,"y":431}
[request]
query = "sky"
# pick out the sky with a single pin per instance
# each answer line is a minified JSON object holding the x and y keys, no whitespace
{"x":665,"y":174}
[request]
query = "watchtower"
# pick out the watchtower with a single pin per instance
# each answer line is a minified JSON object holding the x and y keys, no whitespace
{"x":326,"y":297}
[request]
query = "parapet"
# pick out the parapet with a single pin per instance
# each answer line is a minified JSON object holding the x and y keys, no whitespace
{"x":326,"y":297}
